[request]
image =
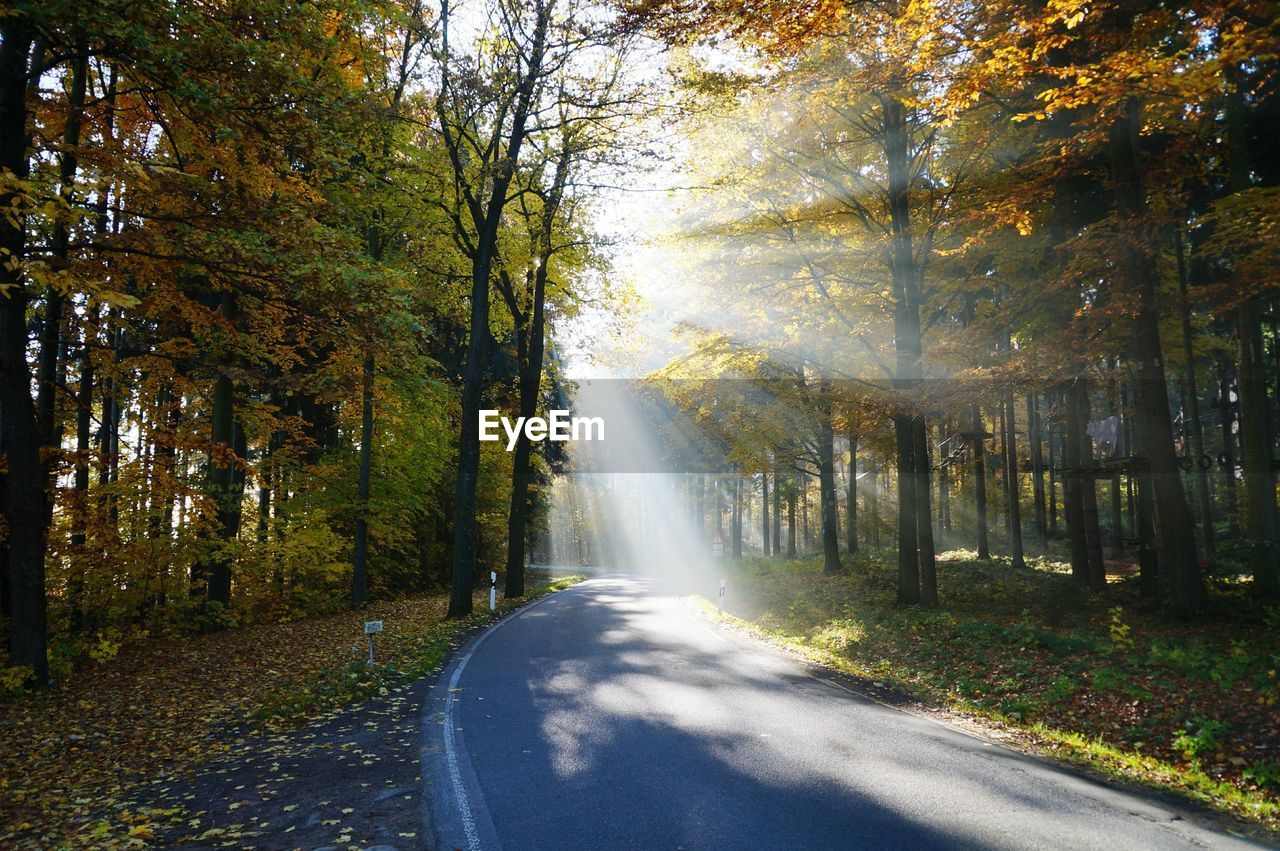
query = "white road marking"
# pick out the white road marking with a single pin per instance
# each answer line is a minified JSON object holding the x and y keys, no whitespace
{"x":450,"y":749}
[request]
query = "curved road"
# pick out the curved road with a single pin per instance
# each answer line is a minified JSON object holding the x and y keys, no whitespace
{"x":607,"y":716}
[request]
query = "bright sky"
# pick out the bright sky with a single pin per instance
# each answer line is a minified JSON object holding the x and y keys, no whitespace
{"x":639,"y":215}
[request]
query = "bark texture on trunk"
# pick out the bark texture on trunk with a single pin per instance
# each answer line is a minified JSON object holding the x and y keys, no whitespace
{"x":1151,"y":395}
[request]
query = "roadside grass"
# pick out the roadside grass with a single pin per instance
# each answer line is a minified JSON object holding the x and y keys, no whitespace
{"x":73,"y":755}
{"x":1106,"y":681}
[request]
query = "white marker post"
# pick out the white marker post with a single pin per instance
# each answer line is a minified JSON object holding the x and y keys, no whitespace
{"x":493,"y":590}
{"x":372,"y":628}
{"x":720,"y":599}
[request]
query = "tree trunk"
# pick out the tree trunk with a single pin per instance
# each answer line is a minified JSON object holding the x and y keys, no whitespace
{"x":851,"y":499}
{"x":944,"y":480}
{"x":25,"y":498}
{"x":737,"y":517}
{"x":980,"y":483}
{"x":1073,"y":500}
{"x":1011,"y":473}
{"x":764,"y":511}
{"x":777,"y":512}
{"x":360,"y":561}
{"x":1037,"y":470}
{"x":806,"y":537}
{"x":1259,"y":478}
{"x":908,"y":529}
{"x":873,"y":507}
{"x":927,"y":557}
{"x":222,"y":477}
{"x":1255,"y":426}
{"x":1117,"y":518}
{"x":791,"y":522}
{"x":1089,"y":490}
{"x":51,"y":330}
{"x":84,"y":400}
{"x":1055,"y":457}
{"x":827,"y":493}
{"x":487,"y":221}
{"x":718,"y":484}
{"x":1151,"y":396}
{"x":1229,"y":454}
{"x":1192,"y":393}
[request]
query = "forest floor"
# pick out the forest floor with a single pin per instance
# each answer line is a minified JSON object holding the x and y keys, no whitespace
{"x":113,"y":757}
{"x":1104,"y":681}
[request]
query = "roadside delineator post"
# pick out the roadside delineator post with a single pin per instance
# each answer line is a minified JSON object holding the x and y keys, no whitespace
{"x":720,"y":599}
{"x":372,"y":628}
{"x":493,"y":590}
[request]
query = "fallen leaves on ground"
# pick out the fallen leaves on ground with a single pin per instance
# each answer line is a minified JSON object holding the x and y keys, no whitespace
{"x":75,"y":753}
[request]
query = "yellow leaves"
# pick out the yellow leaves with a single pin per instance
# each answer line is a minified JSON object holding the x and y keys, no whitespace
{"x":141,"y":831}
{"x":117,"y":299}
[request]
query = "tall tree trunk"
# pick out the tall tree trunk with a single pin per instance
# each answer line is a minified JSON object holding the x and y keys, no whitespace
{"x":90,"y":339}
{"x":1255,"y":430}
{"x":908,"y":530}
{"x":1192,"y":394}
{"x":531,"y":344}
{"x":777,"y":511}
{"x":1037,"y":470}
{"x":737,"y":516}
{"x":1229,"y":454}
{"x":908,"y":370}
{"x":806,"y":537}
{"x":1055,"y":456}
{"x":1151,"y":397}
{"x":1259,"y":478}
{"x":360,"y":557}
{"x":80,"y":504}
{"x":873,"y":507}
{"x":827,"y":491}
{"x":51,"y":330}
{"x":978,"y":442}
{"x":764,"y":511}
{"x":1073,"y":482}
{"x":1011,"y":468}
{"x":851,"y":499}
{"x":487,"y":217}
{"x":944,"y":480}
{"x":718,"y":484}
{"x":791,"y":521}
{"x":222,"y":478}
{"x":1089,"y":490}
{"x":927,"y":557}
{"x":1117,"y":518}
{"x":25,"y":496}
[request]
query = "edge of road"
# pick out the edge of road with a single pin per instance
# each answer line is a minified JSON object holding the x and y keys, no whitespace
{"x":453,"y":809}
{"x":988,"y":734}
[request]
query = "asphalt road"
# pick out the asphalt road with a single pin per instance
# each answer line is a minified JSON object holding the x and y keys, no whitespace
{"x":608,"y":716}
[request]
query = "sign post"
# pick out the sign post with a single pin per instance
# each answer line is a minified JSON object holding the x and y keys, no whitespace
{"x":493,"y":590}
{"x":372,"y":628}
